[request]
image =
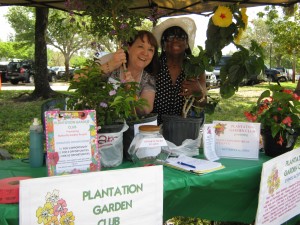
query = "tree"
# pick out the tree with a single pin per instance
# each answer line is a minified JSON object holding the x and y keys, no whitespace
{"x":67,"y":34}
{"x":42,"y":87}
{"x":278,"y":31}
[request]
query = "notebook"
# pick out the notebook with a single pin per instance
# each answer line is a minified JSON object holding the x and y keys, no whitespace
{"x":193,"y":165}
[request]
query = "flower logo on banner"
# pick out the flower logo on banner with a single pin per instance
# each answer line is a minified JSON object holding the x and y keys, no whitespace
{"x":220,"y":128}
{"x":54,"y":211}
{"x":273,"y":181}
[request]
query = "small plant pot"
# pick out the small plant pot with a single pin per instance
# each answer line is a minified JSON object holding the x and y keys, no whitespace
{"x":176,"y":129}
{"x":110,"y":145}
{"x":272,"y":148}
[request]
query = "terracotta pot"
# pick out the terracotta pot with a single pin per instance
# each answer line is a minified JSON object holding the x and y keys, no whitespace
{"x":272,"y":148}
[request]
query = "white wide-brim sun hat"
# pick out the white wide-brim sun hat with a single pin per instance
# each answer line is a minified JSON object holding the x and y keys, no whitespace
{"x":186,"y":23}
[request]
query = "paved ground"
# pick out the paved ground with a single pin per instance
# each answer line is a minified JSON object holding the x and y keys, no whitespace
{"x":59,"y":86}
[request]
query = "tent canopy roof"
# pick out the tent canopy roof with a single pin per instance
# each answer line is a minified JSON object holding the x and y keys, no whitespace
{"x":169,"y":7}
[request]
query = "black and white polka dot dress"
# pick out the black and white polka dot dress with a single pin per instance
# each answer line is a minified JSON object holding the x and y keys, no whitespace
{"x":167,"y":98}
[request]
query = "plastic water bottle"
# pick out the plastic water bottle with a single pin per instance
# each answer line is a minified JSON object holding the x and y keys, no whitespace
{"x":36,"y":152}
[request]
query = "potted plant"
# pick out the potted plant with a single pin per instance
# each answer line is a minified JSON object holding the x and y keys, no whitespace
{"x":278,"y":111}
{"x":176,"y":129}
{"x":225,"y":27}
{"x":114,"y":103}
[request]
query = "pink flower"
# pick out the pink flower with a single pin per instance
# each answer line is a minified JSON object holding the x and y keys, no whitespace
{"x":103,"y":104}
{"x":60,"y":208}
{"x":287,"y":91}
{"x":296,"y":97}
{"x":53,"y":158}
{"x":112,"y":92}
{"x":288,"y":121}
{"x":250,"y":117}
{"x":280,"y":141}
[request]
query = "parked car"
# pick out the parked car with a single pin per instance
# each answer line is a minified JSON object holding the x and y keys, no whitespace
{"x":254,"y":79}
{"x":274,"y":75}
{"x":221,"y":63}
{"x":283,"y":73}
{"x":51,"y":76}
{"x":58,"y":69}
{"x":20,"y":71}
{"x":23,"y":71}
{"x":211,"y":80}
{"x":61,"y":75}
{"x":3,"y":68}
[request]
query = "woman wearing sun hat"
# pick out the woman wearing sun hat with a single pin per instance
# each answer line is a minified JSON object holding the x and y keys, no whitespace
{"x":176,"y":37}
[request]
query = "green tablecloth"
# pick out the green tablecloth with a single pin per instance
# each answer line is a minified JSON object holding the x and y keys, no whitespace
{"x":230,"y":194}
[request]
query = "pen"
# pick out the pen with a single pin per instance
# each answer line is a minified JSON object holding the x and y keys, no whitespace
{"x":185,"y":164}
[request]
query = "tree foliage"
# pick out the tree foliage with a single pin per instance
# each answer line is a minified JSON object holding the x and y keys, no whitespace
{"x":67,"y":34}
{"x":278,"y":29}
{"x":15,"y":50}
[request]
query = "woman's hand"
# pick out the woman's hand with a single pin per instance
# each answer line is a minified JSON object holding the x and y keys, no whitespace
{"x":128,"y":77}
{"x":118,"y":58}
{"x":193,"y":87}
{"x":196,"y":87}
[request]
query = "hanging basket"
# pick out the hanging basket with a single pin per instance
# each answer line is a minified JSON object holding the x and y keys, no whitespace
{"x":272,"y":148}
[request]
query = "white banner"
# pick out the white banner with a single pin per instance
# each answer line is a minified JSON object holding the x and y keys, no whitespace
{"x":279,"y":194}
{"x":117,"y":197}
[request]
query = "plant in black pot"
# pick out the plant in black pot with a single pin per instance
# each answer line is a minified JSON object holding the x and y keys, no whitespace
{"x":176,"y":129}
{"x":278,"y":111}
{"x":113,"y":102}
{"x":225,"y":26}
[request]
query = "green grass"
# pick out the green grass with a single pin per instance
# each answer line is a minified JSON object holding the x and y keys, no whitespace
{"x":16,"y":117}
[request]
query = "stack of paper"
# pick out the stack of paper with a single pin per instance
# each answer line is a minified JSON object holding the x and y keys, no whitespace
{"x":193,"y":165}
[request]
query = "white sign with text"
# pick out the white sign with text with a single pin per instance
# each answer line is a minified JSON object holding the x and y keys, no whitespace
{"x":118,"y":197}
{"x":279,"y":194}
{"x":237,"y":139}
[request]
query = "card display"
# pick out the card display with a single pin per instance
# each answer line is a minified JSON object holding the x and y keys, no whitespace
{"x":71,"y":142}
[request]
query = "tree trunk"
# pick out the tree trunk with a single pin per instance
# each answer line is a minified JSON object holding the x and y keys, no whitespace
{"x":42,"y":86}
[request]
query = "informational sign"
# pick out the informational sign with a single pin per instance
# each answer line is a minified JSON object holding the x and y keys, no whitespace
{"x":71,"y":141}
{"x":209,"y":142}
{"x":279,"y":198}
{"x":117,"y":197}
{"x":237,"y":139}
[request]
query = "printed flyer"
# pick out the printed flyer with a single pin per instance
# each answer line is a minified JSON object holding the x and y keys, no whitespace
{"x":71,"y":142}
{"x":279,"y":198}
{"x":237,"y":139}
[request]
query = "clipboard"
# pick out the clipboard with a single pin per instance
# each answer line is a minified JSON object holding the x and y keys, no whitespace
{"x":71,"y":142}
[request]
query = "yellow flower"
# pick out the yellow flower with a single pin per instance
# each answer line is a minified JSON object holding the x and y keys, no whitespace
{"x":244,"y":17}
{"x":222,"y":17}
{"x":238,"y":37}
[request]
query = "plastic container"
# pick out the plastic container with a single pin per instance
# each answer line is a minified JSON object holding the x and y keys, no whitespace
{"x":36,"y":149}
{"x":148,"y":146}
